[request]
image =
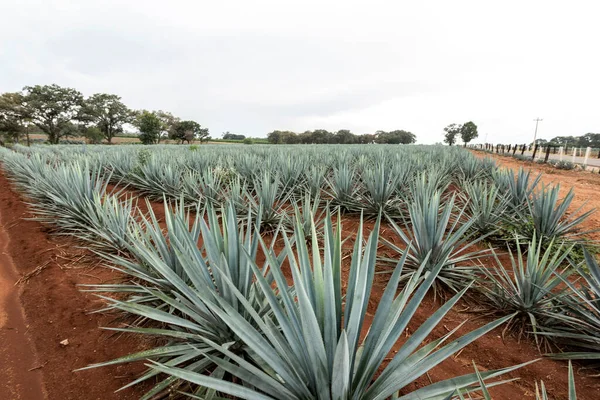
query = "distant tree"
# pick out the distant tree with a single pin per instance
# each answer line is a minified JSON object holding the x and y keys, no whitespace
{"x":321,"y":136}
{"x":93,"y":134}
{"x":187,"y":131}
{"x":168,"y":122}
{"x":52,"y":108}
{"x":233,"y":136}
{"x":149,"y":125}
{"x":366,"y":138}
{"x":395,"y":137}
{"x":452,"y":131}
{"x":468,"y":132}
{"x":248,"y":141}
{"x":344,"y":136}
{"x":275,"y":137}
{"x":107,"y":113}
{"x":14,"y":116}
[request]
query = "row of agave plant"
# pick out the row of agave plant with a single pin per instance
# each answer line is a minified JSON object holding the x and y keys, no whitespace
{"x":233,"y":325}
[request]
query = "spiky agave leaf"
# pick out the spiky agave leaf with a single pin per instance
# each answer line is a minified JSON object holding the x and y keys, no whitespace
{"x":171,"y":279}
{"x":434,"y":236}
{"x":583,"y":304}
{"x":540,"y":391}
{"x":343,"y":188}
{"x":550,"y":218}
{"x":313,"y":346}
{"x":378,"y":196}
{"x":485,"y":206}
{"x":519,"y":187}
{"x":530,"y":293}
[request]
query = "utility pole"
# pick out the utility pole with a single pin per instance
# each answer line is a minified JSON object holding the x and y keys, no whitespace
{"x":537,"y":120}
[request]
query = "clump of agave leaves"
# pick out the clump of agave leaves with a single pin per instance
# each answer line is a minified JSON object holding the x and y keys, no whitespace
{"x":220,"y":315}
{"x":582,"y":335}
{"x":309,"y":346}
{"x":485,"y":206}
{"x":171,"y":274}
{"x":551,"y":219}
{"x":519,"y":187}
{"x":435,"y":236}
{"x":74,"y":199}
{"x":531,"y":294}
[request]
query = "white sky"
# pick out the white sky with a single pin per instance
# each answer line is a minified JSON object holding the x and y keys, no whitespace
{"x":251,"y":67}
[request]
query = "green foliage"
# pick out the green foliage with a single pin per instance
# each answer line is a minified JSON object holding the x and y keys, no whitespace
{"x":52,"y":108}
{"x":248,"y":141}
{"x":452,"y":131}
{"x":587,"y":140}
{"x":107,"y":113}
{"x":310,"y":344}
{"x":583,"y":303}
{"x":531,"y":293}
{"x":150,"y":127}
{"x":468,"y":132}
{"x":395,"y":137}
{"x":343,"y":136}
{"x":551,"y":218}
{"x":93,"y":134}
{"x":233,"y":136}
{"x":485,"y":206}
{"x":14,"y":115}
{"x":188,"y":131}
{"x":435,"y":237}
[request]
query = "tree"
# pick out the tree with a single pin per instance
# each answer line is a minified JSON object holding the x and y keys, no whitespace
{"x":150,"y":126}
{"x":107,"y":113}
{"x":168,"y":122}
{"x":366,"y":138}
{"x":452,"y":131}
{"x":93,"y":134}
{"x":395,"y":137}
{"x":52,"y":108}
{"x":468,"y":132}
{"x":186,"y":131}
{"x":14,"y":116}
{"x":233,"y":136}
{"x":344,"y":136}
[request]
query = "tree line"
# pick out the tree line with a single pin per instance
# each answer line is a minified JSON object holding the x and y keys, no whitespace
{"x":587,"y":140}
{"x":343,"y":136}
{"x":61,"y":112}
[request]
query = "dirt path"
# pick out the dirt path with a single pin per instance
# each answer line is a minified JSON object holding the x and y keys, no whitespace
{"x":56,"y":310}
{"x":20,"y":375}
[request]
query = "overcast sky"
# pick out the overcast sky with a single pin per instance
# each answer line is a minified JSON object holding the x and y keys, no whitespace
{"x":251,"y":67}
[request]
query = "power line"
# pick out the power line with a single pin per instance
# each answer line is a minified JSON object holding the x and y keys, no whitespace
{"x":537,"y":120}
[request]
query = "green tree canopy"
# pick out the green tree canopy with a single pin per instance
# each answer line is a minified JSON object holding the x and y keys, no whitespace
{"x":149,"y":125}
{"x":13,"y":116}
{"x":188,"y":131}
{"x":395,"y":137}
{"x":232,"y":136}
{"x":344,"y":136}
{"x":452,"y":131}
{"x":168,"y":122}
{"x":52,"y":108}
{"x":107,"y":113}
{"x":468,"y":132}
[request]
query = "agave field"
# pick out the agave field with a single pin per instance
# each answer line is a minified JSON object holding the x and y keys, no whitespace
{"x":276,"y":272}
